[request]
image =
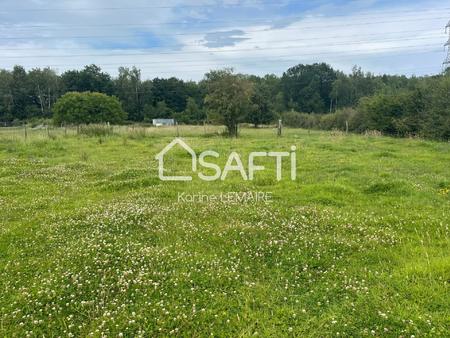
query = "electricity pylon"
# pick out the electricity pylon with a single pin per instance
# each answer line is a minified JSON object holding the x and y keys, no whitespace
{"x":446,"y":63}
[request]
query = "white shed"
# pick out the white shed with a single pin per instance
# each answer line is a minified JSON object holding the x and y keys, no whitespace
{"x":163,"y":122}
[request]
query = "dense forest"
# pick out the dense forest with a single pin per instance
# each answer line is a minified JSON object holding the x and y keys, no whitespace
{"x":308,"y":96}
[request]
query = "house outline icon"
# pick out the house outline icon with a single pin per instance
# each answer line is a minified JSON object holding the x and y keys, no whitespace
{"x":160,"y":158}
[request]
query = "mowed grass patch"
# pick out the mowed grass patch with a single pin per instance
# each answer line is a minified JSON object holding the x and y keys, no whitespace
{"x":93,"y":243}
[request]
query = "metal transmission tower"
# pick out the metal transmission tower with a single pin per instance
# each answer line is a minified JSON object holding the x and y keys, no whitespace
{"x":446,"y":63}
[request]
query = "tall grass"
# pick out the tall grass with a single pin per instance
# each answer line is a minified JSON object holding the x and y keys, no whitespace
{"x":96,"y":130}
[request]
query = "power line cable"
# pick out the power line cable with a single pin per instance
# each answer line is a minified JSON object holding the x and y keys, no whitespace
{"x":186,"y":52}
{"x":199,"y":67}
{"x":203,"y":32}
{"x":252,"y":41}
{"x":215,"y":4}
{"x":202,"y":21}
{"x":173,"y":6}
{"x":291,"y":58}
{"x":279,"y":58}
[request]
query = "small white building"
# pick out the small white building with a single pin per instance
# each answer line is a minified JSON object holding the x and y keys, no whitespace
{"x":163,"y":122}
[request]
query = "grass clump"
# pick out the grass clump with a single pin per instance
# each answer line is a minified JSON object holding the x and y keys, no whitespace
{"x":95,"y":130}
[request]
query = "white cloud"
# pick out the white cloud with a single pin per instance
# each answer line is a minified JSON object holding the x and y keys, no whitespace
{"x":392,"y":39}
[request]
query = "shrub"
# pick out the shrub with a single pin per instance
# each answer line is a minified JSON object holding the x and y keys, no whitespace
{"x":399,"y":114}
{"x":87,"y":107}
{"x":337,"y":120}
{"x":300,"y":120}
{"x":334,"y":121}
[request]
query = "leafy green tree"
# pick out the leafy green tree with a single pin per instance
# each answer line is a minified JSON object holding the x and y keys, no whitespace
{"x":158,"y":111}
{"x":130,"y":90}
{"x":88,"y":107}
{"x":193,"y":113}
{"x":6,"y":98}
{"x":380,"y":112}
{"x":228,"y":98}
{"x":400,"y":114}
{"x":364,"y":84}
{"x":43,"y":87}
{"x":90,"y":79}
{"x":261,"y":110}
{"x":174,"y":93}
{"x":162,"y":110}
{"x":343,"y":92}
{"x":149,"y":112}
{"x":437,"y":119}
{"x":308,"y":88}
{"x":19,"y":94}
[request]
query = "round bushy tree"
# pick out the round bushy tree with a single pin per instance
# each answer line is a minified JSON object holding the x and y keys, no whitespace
{"x":87,"y":107}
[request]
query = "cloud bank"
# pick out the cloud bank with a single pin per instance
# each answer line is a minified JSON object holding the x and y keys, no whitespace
{"x":188,"y":38}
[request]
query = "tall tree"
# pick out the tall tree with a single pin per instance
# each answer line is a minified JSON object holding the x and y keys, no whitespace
{"x":44,"y":89}
{"x":90,"y":79}
{"x":229,"y":97}
{"x":342,"y":93}
{"x":22,"y":103}
{"x":6,"y":99}
{"x":308,"y":88}
{"x":193,"y":113}
{"x":131,"y":91}
{"x":172,"y":91}
{"x":261,"y":110}
{"x":437,"y":121}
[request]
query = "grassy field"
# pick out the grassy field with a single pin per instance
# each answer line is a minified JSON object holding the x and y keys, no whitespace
{"x":93,"y":243}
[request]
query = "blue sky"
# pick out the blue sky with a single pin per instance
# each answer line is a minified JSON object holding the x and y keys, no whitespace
{"x":188,"y":38}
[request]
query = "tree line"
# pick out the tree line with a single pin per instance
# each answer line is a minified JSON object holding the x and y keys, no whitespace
{"x":309,"y":96}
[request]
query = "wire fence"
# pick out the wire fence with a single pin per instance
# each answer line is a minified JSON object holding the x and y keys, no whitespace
{"x":27,"y":133}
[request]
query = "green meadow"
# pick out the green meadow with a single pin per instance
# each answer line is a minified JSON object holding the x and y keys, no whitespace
{"x":93,"y":243}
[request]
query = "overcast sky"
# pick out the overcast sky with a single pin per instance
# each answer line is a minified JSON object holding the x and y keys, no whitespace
{"x":187,"y":38}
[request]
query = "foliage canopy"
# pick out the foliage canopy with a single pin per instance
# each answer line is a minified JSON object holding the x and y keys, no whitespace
{"x":87,"y":107}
